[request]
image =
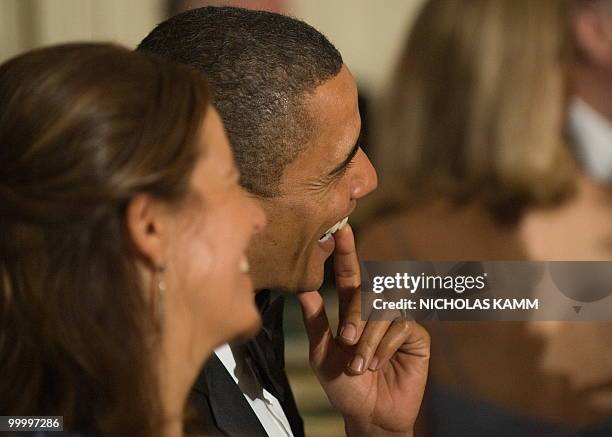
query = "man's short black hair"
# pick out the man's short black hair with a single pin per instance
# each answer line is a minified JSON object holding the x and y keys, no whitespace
{"x":261,"y":66}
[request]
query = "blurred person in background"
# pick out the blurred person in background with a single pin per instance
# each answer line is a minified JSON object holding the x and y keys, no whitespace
{"x":124,"y":230}
{"x":178,"y":6}
{"x":474,"y":166}
{"x":581,"y":353}
{"x":590,"y":122}
{"x":289,"y":104}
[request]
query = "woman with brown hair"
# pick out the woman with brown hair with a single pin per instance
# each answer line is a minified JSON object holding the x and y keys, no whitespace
{"x":124,"y":232}
{"x":475,"y":166}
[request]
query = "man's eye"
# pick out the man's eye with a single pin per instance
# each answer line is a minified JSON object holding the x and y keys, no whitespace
{"x":344,"y":169}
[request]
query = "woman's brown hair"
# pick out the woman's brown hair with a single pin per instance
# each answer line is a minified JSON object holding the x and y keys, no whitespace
{"x":83,"y":129}
{"x":476,"y":106}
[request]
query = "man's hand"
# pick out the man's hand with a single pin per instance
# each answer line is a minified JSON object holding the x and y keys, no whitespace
{"x":373,"y":372}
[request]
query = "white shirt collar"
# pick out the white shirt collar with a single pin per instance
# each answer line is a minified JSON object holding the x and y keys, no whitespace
{"x":265,"y":406}
{"x":592,"y":136}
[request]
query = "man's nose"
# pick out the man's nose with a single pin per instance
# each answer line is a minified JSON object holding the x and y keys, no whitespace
{"x":365,"y":179}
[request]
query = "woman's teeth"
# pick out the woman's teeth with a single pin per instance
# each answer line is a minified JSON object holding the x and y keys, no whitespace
{"x":327,"y":235}
{"x":244,"y":265}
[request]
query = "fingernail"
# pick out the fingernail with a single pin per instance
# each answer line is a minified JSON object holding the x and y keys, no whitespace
{"x":373,"y":364}
{"x":357,"y":364}
{"x":348,"y":332}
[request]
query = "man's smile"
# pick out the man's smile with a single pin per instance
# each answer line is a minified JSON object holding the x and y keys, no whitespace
{"x":338,"y":225}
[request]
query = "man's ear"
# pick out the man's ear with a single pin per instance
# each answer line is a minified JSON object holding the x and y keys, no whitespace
{"x":593,"y":35}
{"x":146,"y":224}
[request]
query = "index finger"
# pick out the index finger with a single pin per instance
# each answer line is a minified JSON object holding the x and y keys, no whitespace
{"x":348,"y":282}
{"x":346,"y":262}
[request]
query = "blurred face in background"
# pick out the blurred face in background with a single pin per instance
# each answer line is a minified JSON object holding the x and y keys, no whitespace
{"x":319,"y":190}
{"x":592,"y":69}
{"x":592,"y":25}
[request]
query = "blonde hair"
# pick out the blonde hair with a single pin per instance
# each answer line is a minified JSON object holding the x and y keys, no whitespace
{"x":476,"y":106}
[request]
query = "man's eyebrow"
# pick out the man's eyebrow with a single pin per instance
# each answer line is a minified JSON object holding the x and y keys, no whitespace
{"x":340,"y":167}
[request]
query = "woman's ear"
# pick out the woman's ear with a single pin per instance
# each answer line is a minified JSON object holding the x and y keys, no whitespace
{"x":147,"y":224}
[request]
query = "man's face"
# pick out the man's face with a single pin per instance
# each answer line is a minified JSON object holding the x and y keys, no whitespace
{"x":319,"y":189}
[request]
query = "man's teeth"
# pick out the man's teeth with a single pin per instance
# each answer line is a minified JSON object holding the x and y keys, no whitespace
{"x":327,"y":235}
{"x":343,"y":222}
{"x":244,"y":265}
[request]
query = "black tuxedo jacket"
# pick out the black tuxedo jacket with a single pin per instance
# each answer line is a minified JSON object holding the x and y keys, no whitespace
{"x":219,"y":404}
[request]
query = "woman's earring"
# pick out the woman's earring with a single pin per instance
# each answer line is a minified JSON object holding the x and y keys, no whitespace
{"x":161,"y":292}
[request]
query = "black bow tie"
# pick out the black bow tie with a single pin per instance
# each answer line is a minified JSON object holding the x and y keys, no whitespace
{"x":266,"y":350}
